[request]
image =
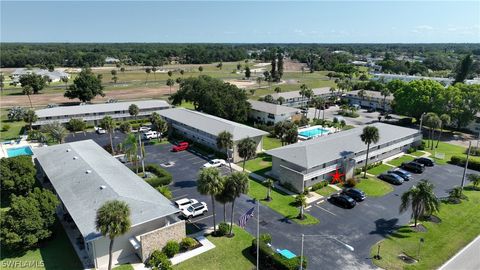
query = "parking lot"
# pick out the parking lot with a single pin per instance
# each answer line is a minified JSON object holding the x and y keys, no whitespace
{"x":360,"y":227}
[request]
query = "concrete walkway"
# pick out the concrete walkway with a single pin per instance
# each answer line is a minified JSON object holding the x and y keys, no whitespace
{"x":206,"y":246}
{"x":467,"y":258}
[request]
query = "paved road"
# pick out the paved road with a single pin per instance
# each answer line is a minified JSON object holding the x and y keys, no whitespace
{"x":467,"y":259}
{"x":361,"y":227}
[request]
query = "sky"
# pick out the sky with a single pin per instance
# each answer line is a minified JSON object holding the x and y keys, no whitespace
{"x":241,"y":22}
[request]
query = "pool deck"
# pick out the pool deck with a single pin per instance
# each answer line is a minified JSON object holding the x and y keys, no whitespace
{"x":15,"y":144}
{"x":329,"y":130}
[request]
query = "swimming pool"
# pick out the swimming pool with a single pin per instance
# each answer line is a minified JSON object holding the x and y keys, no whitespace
{"x":313,"y":132}
{"x":19,"y":151}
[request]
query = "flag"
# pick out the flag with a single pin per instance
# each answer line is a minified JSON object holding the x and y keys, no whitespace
{"x":242,"y":221}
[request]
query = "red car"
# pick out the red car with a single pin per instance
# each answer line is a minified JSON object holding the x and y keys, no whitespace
{"x":180,"y":147}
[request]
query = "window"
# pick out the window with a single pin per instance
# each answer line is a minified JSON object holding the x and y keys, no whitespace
{"x":271,"y":116}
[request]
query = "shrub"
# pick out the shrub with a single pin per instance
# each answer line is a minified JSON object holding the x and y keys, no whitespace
{"x":188,"y":243}
{"x":6,"y":127}
{"x":162,"y":177}
{"x":272,"y":260}
{"x":351,"y":182}
{"x":165,"y":191}
{"x":319,"y":185}
{"x":473,"y":163}
{"x":125,"y":127}
{"x":411,"y":150}
{"x":223,"y":229}
{"x":75,"y":124}
{"x":171,"y":248}
{"x":358,"y":171}
{"x":159,"y":261}
{"x":265,"y":238}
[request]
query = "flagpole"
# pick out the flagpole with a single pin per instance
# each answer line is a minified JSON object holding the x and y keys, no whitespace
{"x":258,"y":233}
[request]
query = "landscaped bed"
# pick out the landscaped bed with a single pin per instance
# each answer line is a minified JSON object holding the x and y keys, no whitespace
{"x":459,"y":225}
{"x":374,"y":187}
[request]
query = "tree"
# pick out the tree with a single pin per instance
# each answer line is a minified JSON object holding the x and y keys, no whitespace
{"x":239,"y":66}
{"x":291,"y":135}
{"x":464,"y":69}
{"x":18,"y":175}
{"x":475,"y":179}
{"x":385,"y":93}
{"x":2,"y":80}
{"x":279,"y":67}
{"x":56,"y":131}
{"x":113,"y":220}
{"x":247,"y":148}
{"x":319,"y":104}
{"x":445,"y":120}
{"x":108,"y":124}
{"x":133,"y":110}
{"x":236,"y":184}
{"x":182,"y":72}
{"x":433,"y":122}
{"x":154,"y":70}
{"x":210,"y":183}
{"x":85,"y":87}
{"x":220,"y":65}
{"x":280,"y":100}
{"x":158,"y":124}
{"x":224,"y":197}
{"x":421,"y":198}
{"x":159,"y":261}
{"x":200,"y":68}
{"x":30,"y":117}
{"x":65,"y":80}
{"x":114,"y":75}
{"x":148,"y":71}
{"x":248,"y":73}
{"x":36,"y":82}
{"x":301,"y":201}
{"x":76,"y":124}
{"x":277,"y":89}
{"x":27,"y":90}
{"x":170,"y":83}
{"x":269,"y":184}
{"x":369,"y":135}
{"x":225,"y":141}
{"x":130,"y":148}
{"x":259,"y":81}
{"x":170,"y":73}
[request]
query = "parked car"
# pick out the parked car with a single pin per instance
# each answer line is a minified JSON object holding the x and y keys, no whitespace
{"x":413,"y":166}
{"x":391,"y":178}
{"x":195,"y":209}
{"x":150,"y":135}
{"x":404,"y":174}
{"x":425,"y":161}
{"x":214,"y":163}
{"x":342,"y":200}
{"x":180,"y":147}
{"x":185,"y":203}
{"x":144,"y":129}
{"x":100,"y":130}
{"x":355,"y":194}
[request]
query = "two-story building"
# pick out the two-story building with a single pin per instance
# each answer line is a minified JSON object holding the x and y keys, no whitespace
{"x":294,"y":99}
{"x":269,"y":113}
{"x":370,"y":99}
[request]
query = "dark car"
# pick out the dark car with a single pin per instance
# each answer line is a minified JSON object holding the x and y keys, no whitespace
{"x":355,"y":194}
{"x":342,"y":200}
{"x":391,"y":178}
{"x":425,"y":161}
{"x":413,"y":166}
{"x":404,"y":174}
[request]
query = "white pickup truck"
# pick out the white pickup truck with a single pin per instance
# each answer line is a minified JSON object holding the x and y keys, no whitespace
{"x":150,"y":135}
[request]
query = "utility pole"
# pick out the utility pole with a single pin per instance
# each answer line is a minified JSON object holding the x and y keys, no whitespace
{"x":258,"y":234}
{"x":466,"y":164}
{"x":301,"y":253}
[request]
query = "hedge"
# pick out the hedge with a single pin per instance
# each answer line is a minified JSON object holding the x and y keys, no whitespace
{"x":473,"y":163}
{"x":162,"y":178}
{"x":273,"y":260}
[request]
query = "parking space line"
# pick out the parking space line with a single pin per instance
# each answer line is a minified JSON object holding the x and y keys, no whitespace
{"x":197,"y":220}
{"x":326,"y":210}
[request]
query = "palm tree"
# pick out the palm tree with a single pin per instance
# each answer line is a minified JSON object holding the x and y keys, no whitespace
{"x":170,"y":83}
{"x":56,"y":131}
{"x":133,"y":110}
{"x":370,"y":135}
{"x":277,"y":89}
{"x":108,"y":124}
{"x":445,"y":121}
{"x":28,"y":90}
{"x":281,"y":100}
{"x":224,"y":197}
{"x":225,"y":141}
{"x":130,"y":148}
{"x":362,"y":94}
{"x":475,"y":179}
{"x":236,"y":185}
{"x":422,"y":200}
{"x":158,"y":124}
{"x":114,"y":75}
{"x":210,"y":183}
{"x":147,"y":70}
{"x":269,"y":184}
{"x":65,"y":80}
{"x":154,"y":70}
{"x":113,"y":220}
{"x":433,"y":122}
{"x":320,"y":105}
{"x":385,"y":93}
{"x":247,"y":148}
{"x":301,"y":201}
{"x":30,"y":117}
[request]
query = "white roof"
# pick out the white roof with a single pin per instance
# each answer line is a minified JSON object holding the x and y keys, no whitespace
{"x":271,"y":108}
{"x":296,"y":94}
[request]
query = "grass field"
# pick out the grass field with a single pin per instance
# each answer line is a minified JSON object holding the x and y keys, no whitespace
{"x":374,"y":187}
{"x":271,"y":143}
{"x":459,"y":225}
{"x":124,"y":267}
{"x":228,"y":254}
{"x":398,"y":161}
{"x":15,"y":130}
{"x":417,"y":153}
{"x":259,"y":165}
{"x":448,"y":150}
{"x":281,"y":203}
{"x":379,"y":169}
{"x":56,"y":253}
{"x":326,"y":191}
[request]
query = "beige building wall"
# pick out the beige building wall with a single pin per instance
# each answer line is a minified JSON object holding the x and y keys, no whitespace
{"x":157,"y":239}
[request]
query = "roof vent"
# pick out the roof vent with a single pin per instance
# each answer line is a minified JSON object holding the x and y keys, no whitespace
{"x":103,"y":187}
{"x":68,"y":149}
{"x":88,"y":171}
{"x":75,"y":157}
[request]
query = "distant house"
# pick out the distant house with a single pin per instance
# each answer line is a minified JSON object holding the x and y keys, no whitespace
{"x":84,"y":176}
{"x":294,"y":99}
{"x":54,"y":76}
{"x":384,"y":77}
{"x":203,"y":128}
{"x":474,"y":125}
{"x":93,"y":113}
{"x":268,"y":113}
{"x":111,"y":60}
{"x":372,"y":99}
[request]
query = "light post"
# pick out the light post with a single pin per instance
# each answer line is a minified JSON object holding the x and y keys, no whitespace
{"x":466,"y":165}
{"x":421,"y":122}
{"x":419,"y":244}
{"x":321,"y":236}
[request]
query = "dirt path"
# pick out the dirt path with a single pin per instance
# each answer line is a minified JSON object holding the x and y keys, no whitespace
{"x":58,"y":98}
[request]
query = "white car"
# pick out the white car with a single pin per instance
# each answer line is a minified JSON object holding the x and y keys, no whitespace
{"x":185,"y":203}
{"x":194,"y":210}
{"x":100,"y":130}
{"x":144,"y":129}
{"x":150,"y":135}
{"x":214,"y":163}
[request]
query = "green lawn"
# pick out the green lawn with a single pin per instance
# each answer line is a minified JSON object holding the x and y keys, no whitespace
{"x":379,"y":169}
{"x":398,"y":161}
{"x":417,"y":153}
{"x":459,"y":226}
{"x":259,"y":165}
{"x":270,"y":143}
{"x":448,"y":150}
{"x":187,"y":105}
{"x":374,"y":187}
{"x":281,"y":203}
{"x":124,"y":267}
{"x":56,"y":253}
{"x":326,"y":191}
{"x":228,"y":254}
{"x":15,"y":130}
